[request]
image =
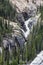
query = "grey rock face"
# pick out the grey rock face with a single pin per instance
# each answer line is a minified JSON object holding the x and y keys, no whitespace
{"x":30,"y":25}
{"x":25,"y":15}
{"x":5,"y":43}
{"x":20,"y":17}
{"x":38,"y":60}
{"x":20,"y":40}
{"x":8,"y":42}
{"x":21,"y":20}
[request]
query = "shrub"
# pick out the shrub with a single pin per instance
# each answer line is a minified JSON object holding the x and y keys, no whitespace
{"x":22,"y":62}
{"x":14,"y":62}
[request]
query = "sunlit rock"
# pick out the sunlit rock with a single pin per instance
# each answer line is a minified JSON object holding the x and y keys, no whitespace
{"x":38,"y":60}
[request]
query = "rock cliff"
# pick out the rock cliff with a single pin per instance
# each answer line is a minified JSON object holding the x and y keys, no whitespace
{"x":22,"y":4}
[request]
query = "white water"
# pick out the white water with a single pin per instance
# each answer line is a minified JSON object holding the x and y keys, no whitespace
{"x":28,"y":30}
{"x":34,"y":21}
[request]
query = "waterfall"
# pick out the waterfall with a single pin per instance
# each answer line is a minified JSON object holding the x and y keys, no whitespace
{"x":33,"y":21}
{"x":27,"y":28}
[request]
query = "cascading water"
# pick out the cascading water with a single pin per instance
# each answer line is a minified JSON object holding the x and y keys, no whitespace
{"x":27,"y":28}
{"x":26,"y":25}
{"x":33,"y":22}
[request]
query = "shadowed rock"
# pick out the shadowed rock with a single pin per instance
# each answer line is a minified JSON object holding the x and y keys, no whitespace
{"x":21,"y":20}
{"x":8,"y":42}
{"x":25,"y":15}
{"x":30,"y":25}
{"x":20,"y":40}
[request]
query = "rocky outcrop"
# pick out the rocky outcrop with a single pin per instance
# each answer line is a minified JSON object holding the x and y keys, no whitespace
{"x":38,"y":60}
{"x":19,"y":4}
{"x":38,"y":2}
{"x":24,"y":15}
{"x":22,"y":4}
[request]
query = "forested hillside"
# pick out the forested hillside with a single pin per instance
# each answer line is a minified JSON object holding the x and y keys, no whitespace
{"x":21,"y":37}
{"x":6,"y":10}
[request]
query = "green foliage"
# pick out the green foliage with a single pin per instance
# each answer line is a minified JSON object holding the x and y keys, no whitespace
{"x":22,"y":62}
{"x":5,"y":28}
{"x":35,"y":42}
{"x":4,"y":25}
{"x":0,"y":58}
{"x":6,"y":10}
{"x":14,"y":62}
{"x":41,"y":11}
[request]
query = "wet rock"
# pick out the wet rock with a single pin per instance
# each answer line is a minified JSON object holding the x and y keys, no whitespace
{"x":25,"y":15}
{"x":21,"y":20}
{"x":8,"y":42}
{"x":24,"y":28}
{"x":20,"y":40}
{"x":5,"y":43}
{"x":11,"y":42}
{"x":31,"y":9}
{"x":30,"y":25}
